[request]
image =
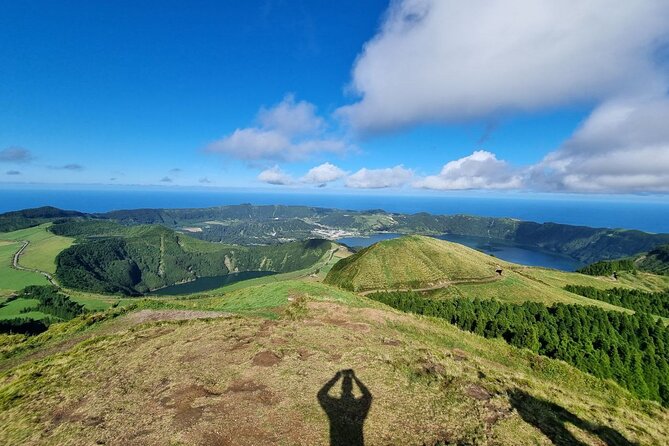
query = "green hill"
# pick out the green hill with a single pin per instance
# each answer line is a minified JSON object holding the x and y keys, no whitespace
{"x":26,"y":218}
{"x":450,"y":270}
{"x":189,"y":372}
{"x":251,"y":224}
{"x":655,"y":261}
{"x":110,"y":258}
{"x":413,"y":262}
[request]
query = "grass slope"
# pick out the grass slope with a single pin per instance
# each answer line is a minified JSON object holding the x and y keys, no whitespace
{"x":412,"y":261}
{"x":43,"y":248}
{"x":39,"y":255}
{"x":10,"y":278}
{"x":420,"y":262}
{"x":176,"y":376}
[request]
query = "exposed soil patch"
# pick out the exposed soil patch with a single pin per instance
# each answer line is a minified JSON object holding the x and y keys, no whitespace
{"x":266,"y":359}
{"x":241,"y":343}
{"x":253,"y":391}
{"x":478,"y":393}
{"x":304,"y":354}
{"x":459,"y":355}
{"x":266,"y":328}
{"x":142,"y":316}
{"x":433,"y":369}
{"x":182,"y":400}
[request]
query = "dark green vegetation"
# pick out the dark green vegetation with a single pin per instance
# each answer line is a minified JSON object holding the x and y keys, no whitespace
{"x":12,"y":221}
{"x":47,"y":300}
{"x":633,"y":350}
{"x":655,"y":261}
{"x":249,"y":224}
{"x":640,"y":301}
{"x":237,"y":223}
{"x":111,"y":258}
{"x":608,"y":267}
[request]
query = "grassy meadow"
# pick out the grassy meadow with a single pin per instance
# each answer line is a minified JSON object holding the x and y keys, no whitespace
{"x":255,"y":376}
{"x":39,"y":255}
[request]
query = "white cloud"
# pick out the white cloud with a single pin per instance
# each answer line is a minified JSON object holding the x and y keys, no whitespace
{"x":291,"y":118}
{"x":324,"y":173}
{"x":622,"y":147}
{"x":449,"y":60}
{"x":379,"y":178}
{"x":289,"y":131}
{"x":480,"y":170}
{"x":276,"y":176}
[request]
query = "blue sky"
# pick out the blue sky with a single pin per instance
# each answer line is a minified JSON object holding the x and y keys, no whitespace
{"x":416,"y":95}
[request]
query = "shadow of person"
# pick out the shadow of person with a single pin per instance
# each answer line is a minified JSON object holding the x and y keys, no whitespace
{"x":552,"y":419}
{"x":347,"y":413}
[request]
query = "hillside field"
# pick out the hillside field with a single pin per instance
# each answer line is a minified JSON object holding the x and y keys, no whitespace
{"x":255,"y":378}
{"x":39,"y":255}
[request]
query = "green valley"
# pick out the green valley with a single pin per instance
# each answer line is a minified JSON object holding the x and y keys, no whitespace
{"x":473,"y":349}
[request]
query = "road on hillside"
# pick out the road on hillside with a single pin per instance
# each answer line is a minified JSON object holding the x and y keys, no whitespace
{"x":16,"y":265}
{"x":438,"y":286}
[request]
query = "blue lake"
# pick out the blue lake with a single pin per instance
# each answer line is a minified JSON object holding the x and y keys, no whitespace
{"x":508,"y":251}
{"x":208,"y":283}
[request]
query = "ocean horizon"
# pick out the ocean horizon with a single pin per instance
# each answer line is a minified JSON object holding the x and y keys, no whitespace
{"x":642,"y":214}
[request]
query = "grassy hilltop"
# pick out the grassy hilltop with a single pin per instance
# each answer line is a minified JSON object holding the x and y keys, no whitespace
{"x":448,"y":269}
{"x":247,"y":367}
{"x":412,"y":261}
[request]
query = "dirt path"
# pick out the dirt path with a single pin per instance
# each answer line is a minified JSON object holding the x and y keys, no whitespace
{"x":438,"y":286}
{"x":17,"y":265}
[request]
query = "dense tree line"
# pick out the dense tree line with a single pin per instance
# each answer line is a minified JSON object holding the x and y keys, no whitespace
{"x":637,"y":300}
{"x":633,"y":350}
{"x":608,"y":267}
{"x":23,"y":325}
{"x":52,"y":302}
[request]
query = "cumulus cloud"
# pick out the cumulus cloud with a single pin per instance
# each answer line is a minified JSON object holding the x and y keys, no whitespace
{"x":13,"y":172}
{"x":205,"y":180}
{"x":325,"y":173}
{"x":379,"y":178}
{"x":622,"y":147}
{"x":176,"y":170}
{"x":449,"y":60}
{"x":166,"y":180}
{"x":15,"y":155}
{"x":276,"y":176}
{"x":480,"y":170}
{"x":289,"y":131}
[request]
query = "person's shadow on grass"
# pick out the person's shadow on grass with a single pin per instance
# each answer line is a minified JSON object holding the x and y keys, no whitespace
{"x":552,"y":420}
{"x":347,"y":414}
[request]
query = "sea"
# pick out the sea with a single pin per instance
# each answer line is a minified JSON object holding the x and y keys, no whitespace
{"x":650,"y":214}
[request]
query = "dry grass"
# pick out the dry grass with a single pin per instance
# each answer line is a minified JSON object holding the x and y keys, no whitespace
{"x":246,"y":380}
